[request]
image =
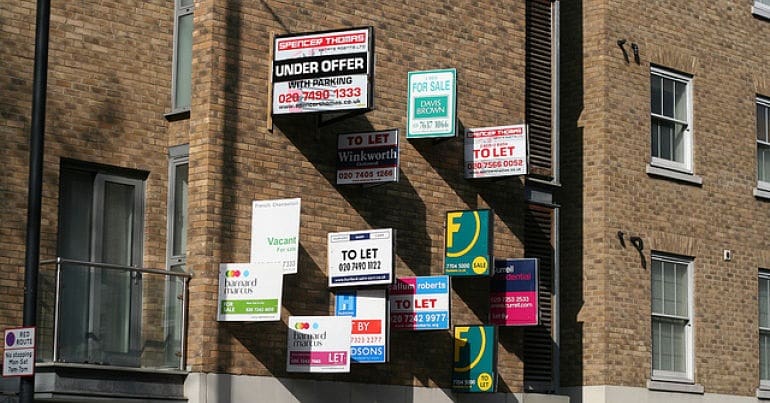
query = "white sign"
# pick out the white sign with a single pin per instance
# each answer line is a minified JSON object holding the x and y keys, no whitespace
{"x":275,"y":233}
{"x":367,"y":157}
{"x":360,"y":257}
{"x":318,"y":344}
{"x":419,"y":303}
{"x":323,"y":71}
{"x":432,"y":107}
{"x":369,"y":330}
{"x":19,"y":353}
{"x":496,"y":151}
{"x":250,"y":292}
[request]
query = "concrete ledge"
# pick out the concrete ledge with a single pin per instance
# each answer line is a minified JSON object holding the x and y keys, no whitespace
{"x":675,"y":175}
{"x":680,"y":387}
{"x":211,"y":388}
{"x":761,"y":193}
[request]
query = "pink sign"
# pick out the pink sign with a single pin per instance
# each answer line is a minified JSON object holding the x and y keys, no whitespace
{"x":514,"y":293}
{"x":318,"y":358}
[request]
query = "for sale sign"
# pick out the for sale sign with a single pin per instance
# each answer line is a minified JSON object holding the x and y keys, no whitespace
{"x":360,"y":257}
{"x":468,"y":243}
{"x":496,"y":151}
{"x":431,"y":105}
{"x":514,"y":293}
{"x":323,"y":71}
{"x":19,"y":353}
{"x":250,"y":292}
{"x":419,"y":303}
{"x":318,"y":344}
{"x":275,"y":233}
{"x":367,"y":157}
{"x":369,"y":330}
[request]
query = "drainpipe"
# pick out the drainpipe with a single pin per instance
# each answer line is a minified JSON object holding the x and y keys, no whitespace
{"x":35,"y":189}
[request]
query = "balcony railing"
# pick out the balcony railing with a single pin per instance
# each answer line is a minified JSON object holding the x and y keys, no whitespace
{"x":111,"y":315}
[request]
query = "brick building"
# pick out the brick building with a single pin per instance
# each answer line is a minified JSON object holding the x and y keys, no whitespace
{"x":159,"y":136}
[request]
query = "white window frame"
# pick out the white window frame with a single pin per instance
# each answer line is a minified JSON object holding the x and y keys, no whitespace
{"x":761,"y":9}
{"x":179,"y":12}
{"x":764,"y":102}
{"x":686,"y":165}
{"x":675,"y":376}
{"x":764,"y":275}
{"x":178,"y":155}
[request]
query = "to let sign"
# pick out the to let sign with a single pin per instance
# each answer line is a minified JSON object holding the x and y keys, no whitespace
{"x":496,"y":151}
{"x":19,"y":354}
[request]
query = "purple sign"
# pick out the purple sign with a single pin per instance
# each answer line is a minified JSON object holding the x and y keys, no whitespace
{"x":514,"y":293}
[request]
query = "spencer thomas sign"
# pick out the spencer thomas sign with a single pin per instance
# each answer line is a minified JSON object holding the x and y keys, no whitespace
{"x":468,"y":242}
{"x":367,"y":157}
{"x":323,"y":71}
{"x":496,"y":151}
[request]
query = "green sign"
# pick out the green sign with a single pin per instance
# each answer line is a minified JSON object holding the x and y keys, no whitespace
{"x":475,"y":359}
{"x":248,"y":306}
{"x":468,"y":243}
{"x":431,"y":103}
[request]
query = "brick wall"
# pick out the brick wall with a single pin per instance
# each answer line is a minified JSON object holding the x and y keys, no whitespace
{"x":717,"y":43}
{"x":236,"y":159}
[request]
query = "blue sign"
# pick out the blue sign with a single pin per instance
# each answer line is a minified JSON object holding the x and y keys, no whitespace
{"x":369,"y":331}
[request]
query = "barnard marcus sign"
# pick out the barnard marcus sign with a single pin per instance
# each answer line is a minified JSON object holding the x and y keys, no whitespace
{"x":323,"y":71}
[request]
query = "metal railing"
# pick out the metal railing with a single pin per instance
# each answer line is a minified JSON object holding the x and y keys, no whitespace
{"x":112,"y":315}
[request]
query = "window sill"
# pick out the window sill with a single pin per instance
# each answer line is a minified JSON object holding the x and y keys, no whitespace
{"x":763,"y":393}
{"x":671,"y":386}
{"x":177,"y":115}
{"x":760,"y":12}
{"x":676,"y":175}
{"x":761,"y":193}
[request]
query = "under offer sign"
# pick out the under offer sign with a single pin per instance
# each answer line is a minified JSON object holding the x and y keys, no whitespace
{"x":19,"y":353}
{"x":496,"y":151}
{"x":360,"y":257}
{"x":323,"y":71}
{"x":367,"y":157}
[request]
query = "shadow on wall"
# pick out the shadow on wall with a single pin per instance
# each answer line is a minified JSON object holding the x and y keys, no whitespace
{"x":571,"y":358}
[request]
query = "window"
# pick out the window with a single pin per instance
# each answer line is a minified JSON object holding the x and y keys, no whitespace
{"x":764,"y":328}
{"x":176,"y":248}
{"x":181,"y":88}
{"x":672,"y":339}
{"x":177,"y":207}
{"x":101,"y":213}
{"x":761,"y":8}
{"x":671,"y":117}
{"x":763,"y":143}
